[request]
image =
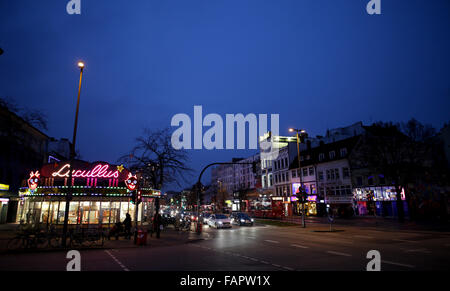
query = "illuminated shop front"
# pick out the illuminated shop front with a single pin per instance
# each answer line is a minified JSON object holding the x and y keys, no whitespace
{"x":100,"y":195}
{"x":312,"y":199}
{"x":377,"y":200}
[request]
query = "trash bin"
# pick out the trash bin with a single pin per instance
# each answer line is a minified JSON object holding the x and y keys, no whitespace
{"x":141,"y":237}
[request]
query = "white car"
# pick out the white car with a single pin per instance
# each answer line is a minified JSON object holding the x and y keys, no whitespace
{"x":219,"y":221}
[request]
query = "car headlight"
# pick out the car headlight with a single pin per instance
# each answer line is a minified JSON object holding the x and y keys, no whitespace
{"x":220,"y":222}
{"x":242,"y":220}
{"x":252,"y":219}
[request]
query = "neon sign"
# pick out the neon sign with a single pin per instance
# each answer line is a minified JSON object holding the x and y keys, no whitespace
{"x":33,"y":181}
{"x":99,"y":171}
{"x":131,"y":182}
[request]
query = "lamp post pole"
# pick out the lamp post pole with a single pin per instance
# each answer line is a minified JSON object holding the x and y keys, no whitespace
{"x":72,"y":156}
{"x":297,"y":131}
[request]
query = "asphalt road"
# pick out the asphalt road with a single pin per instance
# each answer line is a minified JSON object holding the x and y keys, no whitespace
{"x":263,"y":248}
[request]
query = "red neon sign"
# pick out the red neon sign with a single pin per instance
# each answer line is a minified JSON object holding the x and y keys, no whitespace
{"x":131,"y":182}
{"x":33,"y":181}
{"x":99,"y":171}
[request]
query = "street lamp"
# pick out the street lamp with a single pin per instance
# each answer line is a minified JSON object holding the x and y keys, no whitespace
{"x":299,"y":132}
{"x":72,"y":156}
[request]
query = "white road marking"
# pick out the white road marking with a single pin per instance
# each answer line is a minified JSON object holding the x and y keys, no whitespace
{"x":287,"y":268}
{"x":117,"y":261}
{"x":264,"y":262}
{"x":339,"y":254}
{"x":363,"y":236}
{"x":299,"y":246}
{"x":275,"y":265}
{"x":398,"y":264}
{"x":272,"y":241}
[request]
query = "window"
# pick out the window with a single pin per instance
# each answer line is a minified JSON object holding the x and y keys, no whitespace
{"x":332,"y":177}
{"x":311,"y":171}
{"x":305,"y":172}
{"x":301,"y":159}
{"x":336,"y":173}
{"x":328,"y":175}
{"x":321,"y":157}
{"x":286,"y":162}
{"x":320,"y":174}
{"x":345,"y":172}
{"x":343,"y":152}
{"x":370,"y":180}
{"x":332,"y":154}
{"x":294,"y":173}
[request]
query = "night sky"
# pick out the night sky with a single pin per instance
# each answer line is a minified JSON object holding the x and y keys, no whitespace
{"x":318,"y":63}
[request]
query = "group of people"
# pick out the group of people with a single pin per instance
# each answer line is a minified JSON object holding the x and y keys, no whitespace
{"x":125,"y":226}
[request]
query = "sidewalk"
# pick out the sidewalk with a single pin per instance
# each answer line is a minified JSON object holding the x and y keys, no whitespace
{"x":373,"y":222}
{"x":168,"y":237}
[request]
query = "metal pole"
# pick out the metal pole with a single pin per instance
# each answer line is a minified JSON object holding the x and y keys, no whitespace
{"x":72,"y":156}
{"x":301,"y":180}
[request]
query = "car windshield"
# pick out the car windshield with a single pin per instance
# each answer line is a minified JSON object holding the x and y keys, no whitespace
{"x":221,"y":216}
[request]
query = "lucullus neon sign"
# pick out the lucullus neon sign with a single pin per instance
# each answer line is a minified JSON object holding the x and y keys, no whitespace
{"x":99,"y":171}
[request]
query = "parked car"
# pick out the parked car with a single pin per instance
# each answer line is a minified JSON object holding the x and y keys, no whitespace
{"x":219,"y":221}
{"x":240,"y":218}
{"x":205,"y":217}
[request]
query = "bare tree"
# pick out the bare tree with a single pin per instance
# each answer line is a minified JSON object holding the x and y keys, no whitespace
{"x":402,"y":157}
{"x":156,"y":160}
{"x":34,"y":117}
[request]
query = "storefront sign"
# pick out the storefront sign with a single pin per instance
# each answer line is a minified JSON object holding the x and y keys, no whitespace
{"x":99,"y":171}
{"x":33,"y":181}
{"x":131,"y":182}
{"x":312,"y":198}
{"x":4,"y":187}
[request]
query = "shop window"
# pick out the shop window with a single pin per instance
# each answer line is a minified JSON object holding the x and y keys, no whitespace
{"x":73,"y":212}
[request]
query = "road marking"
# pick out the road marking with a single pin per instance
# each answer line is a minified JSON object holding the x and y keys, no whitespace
{"x":404,"y":240}
{"x":289,"y":269}
{"x":275,"y":265}
{"x":117,"y":261}
{"x":253,"y":259}
{"x":272,"y":241}
{"x":397,"y":264}
{"x":264,"y":262}
{"x":363,"y":236}
{"x":339,"y":254}
{"x":299,"y":246}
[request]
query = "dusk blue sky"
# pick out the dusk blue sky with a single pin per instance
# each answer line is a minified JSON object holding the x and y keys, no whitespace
{"x":318,"y":63}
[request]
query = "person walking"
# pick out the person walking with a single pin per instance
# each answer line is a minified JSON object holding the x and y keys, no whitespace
{"x":157,"y":223}
{"x":127,"y":226}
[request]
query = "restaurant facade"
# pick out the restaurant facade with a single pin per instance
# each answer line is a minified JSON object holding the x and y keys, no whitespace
{"x":102,"y":194}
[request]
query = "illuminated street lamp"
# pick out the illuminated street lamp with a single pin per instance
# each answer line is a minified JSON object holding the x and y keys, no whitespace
{"x":72,"y":156}
{"x":298,"y":133}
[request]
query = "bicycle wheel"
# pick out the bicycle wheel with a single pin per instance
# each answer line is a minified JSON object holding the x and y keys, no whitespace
{"x":15,"y":243}
{"x":55,"y":242}
{"x":41,"y":242}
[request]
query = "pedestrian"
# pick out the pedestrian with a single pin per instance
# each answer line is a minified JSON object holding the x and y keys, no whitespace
{"x":157,"y":223}
{"x":127,"y":226}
